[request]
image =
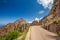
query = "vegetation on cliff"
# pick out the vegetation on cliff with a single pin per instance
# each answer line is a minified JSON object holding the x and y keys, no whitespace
{"x":55,"y":1}
{"x":13,"y":30}
{"x":11,"y":35}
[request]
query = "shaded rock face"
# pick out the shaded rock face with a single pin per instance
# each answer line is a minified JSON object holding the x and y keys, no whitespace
{"x":35,"y":22}
{"x":54,"y":14}
{"x":19,"y":25}
{"x":54,"y":27}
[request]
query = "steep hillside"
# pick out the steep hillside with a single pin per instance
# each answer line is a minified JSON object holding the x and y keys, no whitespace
{"x":53,"y":18}
{"x":19,"y":25}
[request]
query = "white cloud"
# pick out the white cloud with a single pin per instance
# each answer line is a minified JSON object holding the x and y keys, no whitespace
{"x":41,"y":12}
{"x":41,"y":18}
{"x":46,"y":3}
{"x":36,"y":18}
{"x":29,"y":21}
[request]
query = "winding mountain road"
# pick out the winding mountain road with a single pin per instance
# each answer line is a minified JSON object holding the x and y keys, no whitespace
{"x":38,"y":33}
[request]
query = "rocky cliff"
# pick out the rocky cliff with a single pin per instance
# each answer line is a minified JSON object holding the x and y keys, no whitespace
{"x":51,"y":21}
{"x":19,"y":25}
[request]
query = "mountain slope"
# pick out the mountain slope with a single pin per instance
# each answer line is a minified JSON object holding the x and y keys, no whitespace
{"x":52,"y":20}
{"x":19,"y":25}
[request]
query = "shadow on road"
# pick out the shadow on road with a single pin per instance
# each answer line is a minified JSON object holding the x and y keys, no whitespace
{"x":54,"y":37}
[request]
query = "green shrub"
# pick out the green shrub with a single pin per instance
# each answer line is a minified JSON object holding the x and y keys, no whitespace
{"x":12,"y":35}
{"x":55,"y":1}
{"x":24,"y":33}
{"x":2,"y":38}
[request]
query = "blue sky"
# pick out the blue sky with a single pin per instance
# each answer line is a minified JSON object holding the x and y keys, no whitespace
{"x":11,"y":10}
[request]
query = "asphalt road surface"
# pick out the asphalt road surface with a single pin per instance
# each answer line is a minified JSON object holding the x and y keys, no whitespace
{"x":38,"y":33}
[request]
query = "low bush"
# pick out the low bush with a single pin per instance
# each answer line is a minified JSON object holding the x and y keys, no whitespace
{"x":12,"y":35}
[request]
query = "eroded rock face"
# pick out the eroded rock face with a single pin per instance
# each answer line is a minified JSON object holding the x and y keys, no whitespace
{"x":17,"y":25}
{"x":54,"y":14}
{"x":53,"y":27}
{"x":20,"y":24}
